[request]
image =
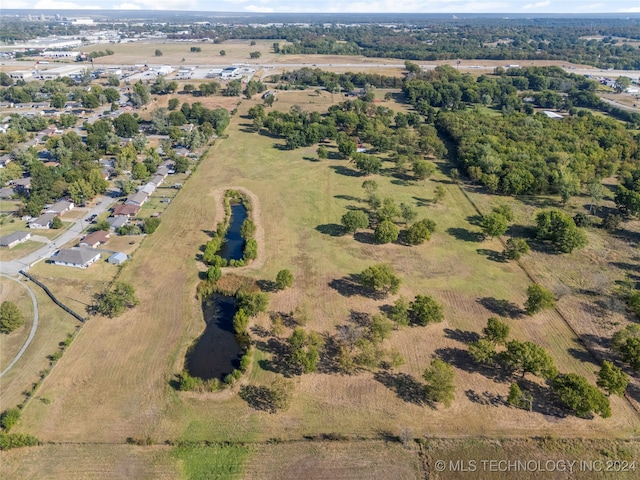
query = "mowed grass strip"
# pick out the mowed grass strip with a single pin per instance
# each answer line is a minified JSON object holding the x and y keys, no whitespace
{"x":121,"y":368}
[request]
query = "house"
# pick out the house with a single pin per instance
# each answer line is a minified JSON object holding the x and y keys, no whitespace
{"x":76,"y":257}
{"x":149,"y":188}
{"x":137,"y":198}
{"x":60,"y":207}
{"x":126,"y":210}
{"x":21,"y":184}
{"x":5,"y":159}
{"x":118,"y":258}
{"x":117,"y":222}
{"x":157,"y":180}
{"x":43,"y":221}
{"x":14,"y":239}
{"x":162,"y":171}
{"x":95,"y":239}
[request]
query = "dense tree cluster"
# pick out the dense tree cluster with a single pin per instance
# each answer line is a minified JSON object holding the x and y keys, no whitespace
{"x":113,"y":301}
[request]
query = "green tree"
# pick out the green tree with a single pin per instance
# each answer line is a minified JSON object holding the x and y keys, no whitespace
{"x":581,"y":397}
{"x":440,"y":382}
{"x":407,"y":212}
{"x":388,"y":211}
{"x":482,"y":351}
{"x":560,"y":229}
{"x":222,"y":53}
{"x":150,"y":224}
{"x":11,"y":317}
{"x":399,"y":312}
{"x":494,"y":224}
{"x":248,"y":229}
{"x":126,"y":125}
{"x":370,"y":187}
{"x":255,"y":54}
{"x":420,"y":231}
{"x":596,"y":192}
{"x":139,"y":171}
{"x":504,"y":210}
{"x":284,"y":279}
{"x":386,"y":232}
{"x":304,"y":350}
{"x":158,"y":52}
{"x":439,"y":193}
{"x":250,"y":249}
{"x":519,"y":399}
{"x":366,"y":164}
{"x":622,"y":83}
{"x":56,"y":223}
{"x":269,"y":99}
{"x":612,"y":379}
{"x":380,"y":328}
{"x":516,"y":248}
{"x":527,"y":357}
{"x":140,"y":94}
{"x":9,"y":418}
{"x":425,"y":310}
{"x":214,"y":273}
{"x":496,"y":331}
{"x":323,"y":152}
{"x":113,"y":80}
{"x":380,"y":278}
{"x":253,"y":303}
{"x":538,"y":298}
{"x":354,"y":220}
{"x":240,"y":321}
{"x":630,"y":351}
{"x":423,"y":169}
{"x":58,"y":100}
{"x":114,"y":301}
{"x":173,"y":103}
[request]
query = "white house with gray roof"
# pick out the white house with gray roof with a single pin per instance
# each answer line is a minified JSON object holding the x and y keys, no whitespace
{"x":76,"y":257}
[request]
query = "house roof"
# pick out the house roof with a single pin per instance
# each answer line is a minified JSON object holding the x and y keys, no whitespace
{"x":45,"y":218}
{"x":6,"y":192}
{"x":117,"y":222}
{"x":99,"y":236}
{"x":156,"y":180}
{"x":138,"y":198}
{"x":126,"y":209}
{"x":76,"y":256}
{"x":118,"y":257}
{"x":552,"y":114}
{"x":13,"y":237}
{"x":61,"y":206}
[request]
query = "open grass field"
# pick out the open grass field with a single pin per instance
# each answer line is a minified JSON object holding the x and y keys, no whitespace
{"x":115,"y":379}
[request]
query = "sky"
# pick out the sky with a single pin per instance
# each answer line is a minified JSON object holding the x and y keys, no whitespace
{"x":343,"y":6}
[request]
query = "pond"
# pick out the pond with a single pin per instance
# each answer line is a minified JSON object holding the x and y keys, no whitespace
{"x":216,"y":353}
{"x":233,"y":246}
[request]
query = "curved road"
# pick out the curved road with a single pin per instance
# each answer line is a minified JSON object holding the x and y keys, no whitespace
{"x":34,"y":327}
{"x":11,"y":269}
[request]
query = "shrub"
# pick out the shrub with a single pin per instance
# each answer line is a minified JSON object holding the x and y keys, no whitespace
{"x":16,"y":440}
{"x":9,"y":418}
{"x":284,"y":279}
{"x":10,"y":317}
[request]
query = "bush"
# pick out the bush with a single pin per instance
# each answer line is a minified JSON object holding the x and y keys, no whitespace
{"x":425,"y":310}
{"x":284,"y":279}
{"x":380,"y":278}
{"x":386,"y":232}
{"x":251,"y":249}
{"x":252,"y":303}
{"x":16,"y":440}
{"x":150,"y":225}
{"x":10,"y":317}
{"x":538,"y":298}
{"x":420,"y":231}
{"x":9,"y":418}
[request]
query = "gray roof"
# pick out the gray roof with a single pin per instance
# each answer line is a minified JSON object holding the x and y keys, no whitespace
{"x":7,"y":192}
{"x":60,"y":206}
{"x":45,"y":218}
{"x":118,"y":257}
{"x":138,"y":198}
{"x":12,"y":237}
{"x":76,"y":256}
{"x":117,"y":222}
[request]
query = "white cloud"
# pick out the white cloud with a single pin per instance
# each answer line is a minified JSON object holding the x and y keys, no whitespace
{"x":56,"y":5}
{"x":630,"y":10}
{"x":536,"y":5}
{"x":127,"y":6}
{"x":253,"y":8}
{"x":235,"y":2}
{"x":163,"y":4}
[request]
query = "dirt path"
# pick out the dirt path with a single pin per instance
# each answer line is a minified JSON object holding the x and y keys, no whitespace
{"x":255,"y":215}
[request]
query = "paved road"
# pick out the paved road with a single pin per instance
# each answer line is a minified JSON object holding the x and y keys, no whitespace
{"x":14,"y":266}
{"x":34,"y":326}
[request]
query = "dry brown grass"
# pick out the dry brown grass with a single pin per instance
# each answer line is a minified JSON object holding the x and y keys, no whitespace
{"x":11,"y":291}
{"x":127,"y":392}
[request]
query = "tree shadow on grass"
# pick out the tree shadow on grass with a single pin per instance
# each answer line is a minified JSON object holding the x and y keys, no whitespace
{"x":258,"y":398}
{"x":527,"y":232}
{"x":346,"y":171}
{"x":267,"y":285}
{"x":401,"y":182}
{"x":492,"y":255}
{"x":463,"y":360}
{"x":465,"y":235}
{"x":502,"y":308}
{"x":486,"y":398}
{"x":349,"y":286}
{"x":331,"y":229}
{"x":464,"y":336}
{"x":365,"y":237}
{"x":405,"y":386}
{"x":545,"y":400}
{"x":349,"y":198}
{"x":311,"y":159}
{"x":279,"y":351}
{"x":474,"y":220}
{"x":423,"y":202}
